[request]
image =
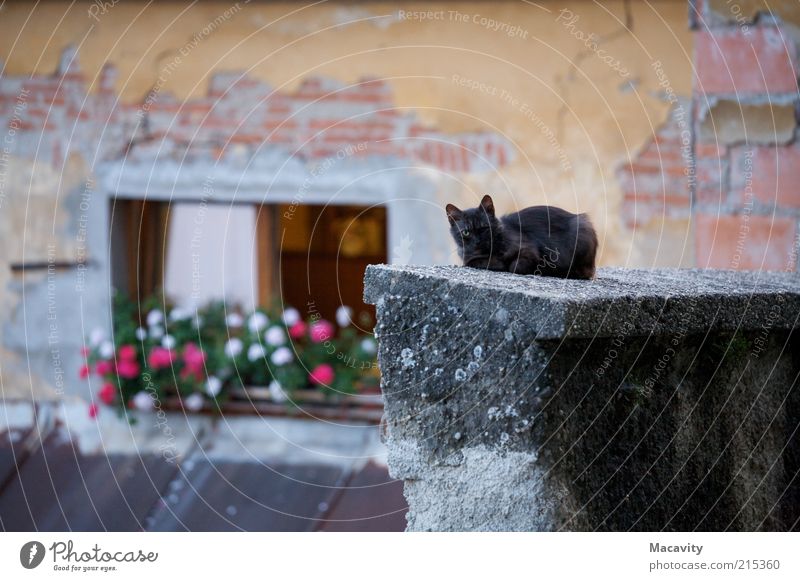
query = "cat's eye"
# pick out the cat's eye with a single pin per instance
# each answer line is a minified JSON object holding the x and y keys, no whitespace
{"x":465,"y":233}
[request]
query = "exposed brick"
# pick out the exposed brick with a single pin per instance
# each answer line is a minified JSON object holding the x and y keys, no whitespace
{"x":236,"y":110}
{"x":710,"y":179}
{"x":713,"y":150}
{"x":731,"y":61}
{"x":770,"y":174}
{"x":745,"y":242}
{"x":655,"y":183}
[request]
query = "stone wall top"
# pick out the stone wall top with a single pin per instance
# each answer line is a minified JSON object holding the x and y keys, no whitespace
{"x":618,"y":300}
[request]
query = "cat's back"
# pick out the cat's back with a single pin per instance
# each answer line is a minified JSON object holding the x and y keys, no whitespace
{"x":541,"y":219}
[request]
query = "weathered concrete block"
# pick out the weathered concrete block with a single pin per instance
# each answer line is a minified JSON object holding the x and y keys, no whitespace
{"x":643,"y":400}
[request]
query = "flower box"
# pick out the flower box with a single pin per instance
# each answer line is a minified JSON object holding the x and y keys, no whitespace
{"x":201,"y":360}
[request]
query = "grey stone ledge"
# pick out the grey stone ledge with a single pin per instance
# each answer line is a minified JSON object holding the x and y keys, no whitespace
{"x":619,"y":300}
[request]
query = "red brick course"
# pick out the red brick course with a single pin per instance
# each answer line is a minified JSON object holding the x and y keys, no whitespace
{"x":730,"y":61}
{"x":321,"y":119}
{"x":769,"y":174}
{"x":745,"y":242}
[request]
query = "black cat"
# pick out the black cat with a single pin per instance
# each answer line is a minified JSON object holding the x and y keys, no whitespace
{"x":542,"y":240}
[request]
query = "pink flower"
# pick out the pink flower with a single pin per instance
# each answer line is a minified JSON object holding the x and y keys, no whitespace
{"x":85,"y":351}
{"x":128,"y":369}
{"x":93,"y":410}
{"x":107,"y":393}
{"x":160,"y":357}
{"x":127,"y":352}
{"x":84,"y":371}
{"x":104,"y":367}
{"x":321,"y":331}
{"x":322,"y":375}
{"x":298,"y":330}
{"x":194,"y":360}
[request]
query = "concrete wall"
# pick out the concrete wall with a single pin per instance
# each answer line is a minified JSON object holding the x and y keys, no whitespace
{"x":648,"y":400}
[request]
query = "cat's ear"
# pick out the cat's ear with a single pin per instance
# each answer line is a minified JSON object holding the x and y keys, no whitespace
{"x":453,"y":213}
{"x":488,"y":205}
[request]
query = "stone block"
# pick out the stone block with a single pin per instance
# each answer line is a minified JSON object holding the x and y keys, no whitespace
{"x":641,"y":400}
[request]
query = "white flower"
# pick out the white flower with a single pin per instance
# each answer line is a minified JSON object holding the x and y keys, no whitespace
{"x":156,"y":332}
{"x":141,"y":333}
{"x":255,"y":352}
{"x":168,"y":342}
{"x":275,"y":336}
{"x":276,"y":392}
{"x":233,"y":347}
{"x":97,"y":336}
{"x":179,"y":314}
{"x":257,"y":322}
{"x":291,"y":317}
{"x":106,"y":349}
{"x":154,"y":317}
{"x":282,"y":356}
{"x":194,"y":403}
{"x":234,"y":320}
{"x":143,"y":401}
{"x":344,"y":316}
{"x":368,"y":346}
{"x":213,"y":386}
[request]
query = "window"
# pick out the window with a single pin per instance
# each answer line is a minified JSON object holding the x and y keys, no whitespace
{"x":311,"y":257}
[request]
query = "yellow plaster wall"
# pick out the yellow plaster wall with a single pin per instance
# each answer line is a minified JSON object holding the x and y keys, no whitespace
{"x":583,"y":108}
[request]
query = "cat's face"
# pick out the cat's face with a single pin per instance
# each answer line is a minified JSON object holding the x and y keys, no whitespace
{"x":474,"y":230}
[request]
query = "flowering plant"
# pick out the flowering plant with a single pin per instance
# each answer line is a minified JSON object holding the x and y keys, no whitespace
{"x":201,"y":355}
